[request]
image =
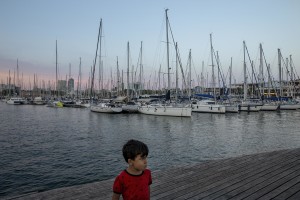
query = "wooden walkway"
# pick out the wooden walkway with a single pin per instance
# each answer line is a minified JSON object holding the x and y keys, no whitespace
{"x":272,"y":175}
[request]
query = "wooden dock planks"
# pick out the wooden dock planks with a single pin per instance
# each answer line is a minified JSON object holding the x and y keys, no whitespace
{"x":259,"y":176}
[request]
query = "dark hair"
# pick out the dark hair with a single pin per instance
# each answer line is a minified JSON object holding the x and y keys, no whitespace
{"x":133,"y":148}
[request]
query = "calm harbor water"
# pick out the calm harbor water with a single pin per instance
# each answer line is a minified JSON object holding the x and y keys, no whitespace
{"x":44,"y":148}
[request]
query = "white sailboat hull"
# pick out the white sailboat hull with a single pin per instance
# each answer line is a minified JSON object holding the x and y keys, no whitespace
{"x":38,"y":101}
{"x":250,"y":108}
{"x":166,"y":111}
{"x":289,"y":106}
{"x":209,"y":108}
{"x":85,"y":105}
{"x":232,"y":108}
{"x":15,"y":101}
{"x":269,"y":107}
{"x":105,"y":109}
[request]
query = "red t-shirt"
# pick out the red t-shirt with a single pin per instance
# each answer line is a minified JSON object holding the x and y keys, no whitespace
{"x":135,"y":187}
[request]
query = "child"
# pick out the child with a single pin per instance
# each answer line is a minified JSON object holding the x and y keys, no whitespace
{"x":134,"y":182}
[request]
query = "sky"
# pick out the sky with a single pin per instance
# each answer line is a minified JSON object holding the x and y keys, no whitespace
{"x":30,"y":29}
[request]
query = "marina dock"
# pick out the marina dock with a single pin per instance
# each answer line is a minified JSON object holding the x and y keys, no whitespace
{"x":271,"y":175}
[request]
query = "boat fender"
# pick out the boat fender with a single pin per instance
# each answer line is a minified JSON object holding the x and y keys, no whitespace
{"x":165,"y":109}
{"x":155,"y":109}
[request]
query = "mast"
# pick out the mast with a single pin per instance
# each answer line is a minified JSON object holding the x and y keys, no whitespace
{"x":56,"y":86}
{"x":122,"y":82}
{"x":190,"y":70}
{"x":219,"y":72}
{"x":279,"y":66}
{"x":18,"y":73}
{"x":118,"y":78}
{"x":141,"y":68}
{"x":230,"y":75}
{"x":292,"y":78}
{"x":245,"y":73}
{"x":100,"y":60}
{"x":167,"y":37}
{"x":176,"y":90}
{"x":288,"y":89}
{"x":133,"y":79}
{"x":159,"y":72}
{"x":269,"y":81}
{"x":261,"y":72}
{"x":79,"y":80}
{"x":93,"y":70}
{"x":212,"y":65}
{"x":9,"y":84}
{"x":128,"y":70}
{"x":202,"y":78}
{"x":80,"y":76}
{"x":111,"y":82}
{"x":252,"y":82}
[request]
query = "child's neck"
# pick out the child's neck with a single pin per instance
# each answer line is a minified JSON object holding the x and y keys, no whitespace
{"x":133,"y":171}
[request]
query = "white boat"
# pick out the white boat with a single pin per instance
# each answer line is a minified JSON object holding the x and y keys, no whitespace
{"x":232,"y":108}
{"x":249,"y":106}
{"x":130,"y":107}
{"x":166,"y":110}
{"x":272,"y":106}
{"x":246,"y":104}
{"x":289,"y":106}
{"x":106,"y":108}
{"x":83,"y":104}
{"x":38,"y":101}
{"x":16,"y":101}
{"x":163,"y":109}
{"x":207,"y":106}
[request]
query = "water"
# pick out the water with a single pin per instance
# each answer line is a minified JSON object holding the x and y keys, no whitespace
{"x":44,"y":148}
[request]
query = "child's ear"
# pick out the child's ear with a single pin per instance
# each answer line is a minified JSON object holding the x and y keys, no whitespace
{"x":130,"y":161}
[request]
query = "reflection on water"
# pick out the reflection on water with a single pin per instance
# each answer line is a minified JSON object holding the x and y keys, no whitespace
{"x":44,"y":148}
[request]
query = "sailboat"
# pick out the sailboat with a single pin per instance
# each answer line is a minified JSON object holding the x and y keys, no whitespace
{"x":102,"y":107}
{"x":15,"y":100}
{"x":267,"y":105}
{"x":246,"y":104}
{"x":286,"y":103}
{"x":209,"y":106}
{"x":106,"y":107}
{"x":230,"y":106}
{"x":55,"y":103}
{"x":167,"y":109}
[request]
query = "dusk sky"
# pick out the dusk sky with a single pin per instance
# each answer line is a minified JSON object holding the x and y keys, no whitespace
{"x":30,"y":28}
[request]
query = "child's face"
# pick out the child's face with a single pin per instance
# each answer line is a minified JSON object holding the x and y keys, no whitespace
{"x":139,"y":163}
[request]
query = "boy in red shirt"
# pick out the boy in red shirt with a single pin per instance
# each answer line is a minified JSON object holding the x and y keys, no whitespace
{"x":134,"y":182}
